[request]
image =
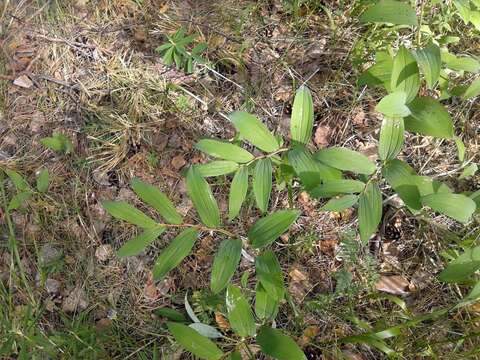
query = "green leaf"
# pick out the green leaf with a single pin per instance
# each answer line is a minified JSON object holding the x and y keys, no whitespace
{"x":239,"y":313}
{"x":333,"y":188}
{"x":224,"y":150}
{"x":463,"y":63}
{"x":301,"y":124}
{"x":268,"y":229}
{"x":124,"y":211}
{"x":170,"y":314}
{"x":310,"y":171}
{"x":235,"y":356}
{"x":456,"y":206}
{"x":43,"y":181}
{"x":460,"y":148}
{"x":266,"y":306}
{"x":392,"y":12}
{"x":139,"y":243}
{"x":156,"y":199}
{"x":429,"y":61}
{"x":400,"y":177}
{"x":346,"y":159}
{"x":473,"y":90}
{"x":174,"y":253}
{"x":427,"y":186}
{"x":238,"y":192}
{"x":394,"y":105}
{"x":269,"y":273}
{"x":216,"y":168}
{"x":192,"y":341}
{"x":262,"y":183}
{"x":199,"y":191}
{"x":380,"y":73}
{"x":18,"y":199}
{"x":470,"y":170}
{"x":340,"y":204}
{"x":18,"y":181}
{"x":225,"y":264}
{"x":59,"y":142}
{"x":254,"y":131}
{"x":369,"y":211}
{"x":391,"y":138}
{"x":429,"y":118}
{"x":462,"y":267}
{"x":278,"y":345}
{"x":405,"y":74}
{"x":206,"y":330}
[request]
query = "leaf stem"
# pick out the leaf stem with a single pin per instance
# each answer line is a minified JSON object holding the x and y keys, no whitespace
{"x":267,"y":155}
{"x":200,"y":228}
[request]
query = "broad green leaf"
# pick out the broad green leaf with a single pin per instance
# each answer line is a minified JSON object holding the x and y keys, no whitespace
{"x":52,"y":143}
{"x":336,"y":187}
{"x":266,"y":306}
{"x":280,"y":346}
{"x":43,"y":181}
{"x":394,"y":105}
{"x":238,"y":192}
{"x":269,"y":273}
{"x":192,"y":341}
{"x":18,"y":181}
{"x":206,"y":330}
{"x":405,"y":74}
{"x":380,"y":73}
{"x":262,"y":183}
{"x":475,"y":196}
{"x":174,"y":253}
{"x":462,"y":267}
{"x":269,"y":228}
{"x":402,"y":178}
{"x":429,"y":61}
{"x":225,"y":264}
{"x":224,"y":150}
{"x":239,"y":313}
{"x":254,"y":131}
{"x":430,"y":118}
{"x":392,"y":135}
{"x":460,"y":148}
{"x":341,"y":203}
{"x":456,"y":206}
{"x":216,"y":168}
{"x":469,"y":170}
{"x":427,"y":186}
{"x":139,"y":243}
{"x":301,"y":124}
{"x":310,"y":171}
{"x":473,"y":90}
{"x":18,"y":199}
{"x":156,"y":199}
{"x":235,"y":356}
{"x":199,"y":191}
{"x":124,"y":211}
{"x":171,"y":314}
{"x":390,"y":11}
{"x":346,"y":159}
{"x":460,"y":63}
{"x":369,"y":211}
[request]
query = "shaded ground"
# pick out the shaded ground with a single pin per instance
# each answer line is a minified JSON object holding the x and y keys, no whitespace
{"x":96,"y":78}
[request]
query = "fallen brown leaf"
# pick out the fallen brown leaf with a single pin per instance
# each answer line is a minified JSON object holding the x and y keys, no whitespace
{"x":393,"y":284}
{"x":178,"y":162}
{"x":222,"y":323}
{"x":322,"y":136}
{"x":23,"y":81}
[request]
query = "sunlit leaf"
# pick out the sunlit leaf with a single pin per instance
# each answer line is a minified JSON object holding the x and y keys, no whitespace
{"x":225,"y":264}
{"x":346,"y":159}
{"x":199,"y":191}
{"x":274,"y":343}
{"x":238,"y":192}
{"x":430,"y":118}
{"x":429,"y":61}
{"x":43,"y":181}
{"x":269,"y":273}
{"x":341,"y":203}
{"x":369,"y":211}
{"x":394,"y":105}
{"x":216,"y":168}
{"x":390,"y":11}
{"x":336,"y":187}
{"x":224,"y":150}
{"x":254,"y":131}
{"x":239,"y":312}
{"x":391,"y":138}
{"x":124,"y":211}
{"x":462,"y":267}
{"x":266,"y":306}
{"x":262,"y":183}
{"x":456,"y":206}
{"x":301,"y":124}
{"x":140,"y":242}
{"x":405,"y":74}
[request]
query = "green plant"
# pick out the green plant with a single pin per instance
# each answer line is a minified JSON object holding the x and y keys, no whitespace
{"x":176,"y":51}
{"x":58,"y":142}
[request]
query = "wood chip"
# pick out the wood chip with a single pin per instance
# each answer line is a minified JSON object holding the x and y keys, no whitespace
{"x":178,"y":162}
{"x":23,"y":81}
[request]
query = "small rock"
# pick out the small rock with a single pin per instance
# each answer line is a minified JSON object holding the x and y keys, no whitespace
{"x":49,"y":253}
{"x":52,"y":286}
{"x":103,"y":252}
{"x":76,"y":301}
{"x":23,"y":81}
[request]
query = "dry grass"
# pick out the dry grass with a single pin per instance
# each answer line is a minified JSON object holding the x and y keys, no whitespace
{"x":98,"y":80}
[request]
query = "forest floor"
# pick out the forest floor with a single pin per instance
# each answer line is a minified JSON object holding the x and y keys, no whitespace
{"x":89,"y":70}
